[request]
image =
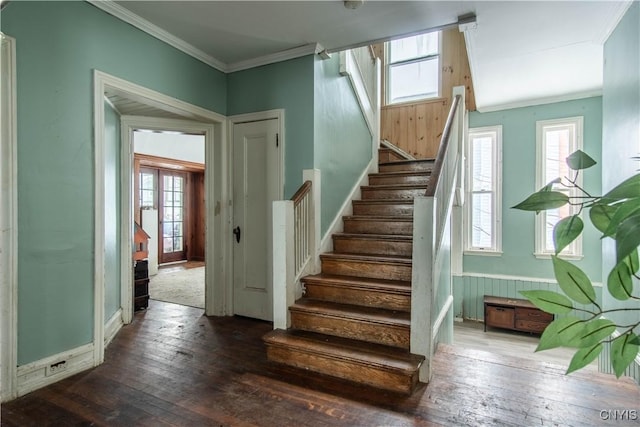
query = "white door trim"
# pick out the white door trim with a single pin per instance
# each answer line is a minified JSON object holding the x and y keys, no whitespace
{"x":128,"y":124}
{"x":279,"y":115}
{"x":8,"y":226}
{"x":216,"y":186}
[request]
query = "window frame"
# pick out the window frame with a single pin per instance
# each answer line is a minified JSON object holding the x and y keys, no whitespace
{"x":416,"y":59}
{"x":496,"y":247}
{"x":574,"y":250}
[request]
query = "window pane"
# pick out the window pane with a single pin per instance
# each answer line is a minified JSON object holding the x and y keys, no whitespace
{"x":412,"y":47}
{"x":146,"y":181}
{"x":551,"y":219}
{"x":177,"y":183}
{"x":417,"y":79}
{"x":177,"y":214}
{"x":168,"y":183}
{"x":168,"y":245}
{"x":177,"y":199}
{"x":146,"y":198}
{"x":168,"y":214}
{"x":177,"y":229}
{"x":168,"y":198}
{"x":177,"y":244}
{"x":482,"y":167}
{"x":557,"y":149}
{"x":482,"y":220}
{"x":167,"y":229}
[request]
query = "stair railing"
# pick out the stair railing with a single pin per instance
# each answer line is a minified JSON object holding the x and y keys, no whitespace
{"x":296,"y":240}
{"x":431,"y":284}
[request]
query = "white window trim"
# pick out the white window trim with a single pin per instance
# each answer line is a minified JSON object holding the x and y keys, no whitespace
{"x":496,"y":249}
{"x":388,"y":64}
{"x":540,"y":235}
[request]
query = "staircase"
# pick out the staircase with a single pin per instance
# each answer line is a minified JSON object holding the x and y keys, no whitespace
{"x":353,"y":321}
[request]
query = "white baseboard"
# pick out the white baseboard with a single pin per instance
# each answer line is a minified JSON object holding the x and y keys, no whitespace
{"x":112,"y":326}
{"x":44,"y":372}
{"x":326,"y":245}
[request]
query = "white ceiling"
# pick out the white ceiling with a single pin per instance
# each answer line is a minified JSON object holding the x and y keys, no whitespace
{"x":521,"y":52}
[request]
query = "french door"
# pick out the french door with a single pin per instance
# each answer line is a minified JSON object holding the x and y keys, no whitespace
{"x":171,"y":203}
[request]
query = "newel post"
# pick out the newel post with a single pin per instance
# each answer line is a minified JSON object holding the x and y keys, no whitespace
{"x":283,"y":260}
{"x":421,"y":286}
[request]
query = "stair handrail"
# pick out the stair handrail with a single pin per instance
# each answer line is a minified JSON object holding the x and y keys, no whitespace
{"x":296,"y":245}
{"x":431,"y":282}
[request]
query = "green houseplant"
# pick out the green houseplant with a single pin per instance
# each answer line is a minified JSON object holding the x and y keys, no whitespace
{"x":617,"y":215}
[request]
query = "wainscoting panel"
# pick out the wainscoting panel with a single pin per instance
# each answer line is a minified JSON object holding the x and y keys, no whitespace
{"x":469,"y":291}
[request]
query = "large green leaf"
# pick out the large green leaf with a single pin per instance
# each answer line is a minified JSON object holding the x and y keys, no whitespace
{"x":551,"y":302}
{"x":580,"y":160}
{"x":575,"y":284}
{"x":566,"y":231}
{"x":624,"y":211}
{"x":543,"y":200}
{"x":593,"y":332}
{"x":623,"y":352}
{"x":627,"y":189}
{"x":619,"y":282}
{"x":601,"y":214}
{"x":583,"y":357}
{"x":561,"y":332}
{"x":627,"y":237}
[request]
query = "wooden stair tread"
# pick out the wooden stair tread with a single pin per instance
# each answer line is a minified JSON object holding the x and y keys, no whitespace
{"x":381,"y":356}
{"x":395,"y":187}
{"x":363,"y":236}
{"x":398,"y":218}
{"x":387,"y":259}
{"x":356,"y":312}
{"x":402,"y":173}
{"x":396,"y":286}
{"x":385,"y":201}
{"x":406,"y":162}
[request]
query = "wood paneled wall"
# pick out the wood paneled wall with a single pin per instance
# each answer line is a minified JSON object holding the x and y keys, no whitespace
{"x":416,"y":127}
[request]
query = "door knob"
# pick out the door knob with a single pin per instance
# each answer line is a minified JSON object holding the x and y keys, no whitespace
{"x":236,"y":232}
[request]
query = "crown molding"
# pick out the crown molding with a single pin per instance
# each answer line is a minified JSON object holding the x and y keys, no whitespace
{"x":540,"y":101}
{"x":296,"y":52}
{"x":114,"y":9}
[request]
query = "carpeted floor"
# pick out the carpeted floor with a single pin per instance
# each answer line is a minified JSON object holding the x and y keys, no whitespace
{"x":185,"y":287}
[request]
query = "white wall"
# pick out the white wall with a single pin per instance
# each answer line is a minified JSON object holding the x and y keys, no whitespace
{"x":188,"y":148}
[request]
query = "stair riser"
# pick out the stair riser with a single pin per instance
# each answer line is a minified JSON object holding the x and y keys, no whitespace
{"x":383,"y":209}
{"x":403,"y":228}
{"x":374,"y":270}
{"x":371,"y":246}
{"x":359,"y":296}
{"x":391,"y":335}
{"x":406,"y":167}
{"x":374,"y":376}
{"x":398,"y":179}
{"x":386,"y":156}
{"x":374,"y":193}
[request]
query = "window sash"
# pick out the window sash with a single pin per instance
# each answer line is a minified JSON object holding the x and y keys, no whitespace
{"x":556,"y":139}
{"x":423,"y":68}
{"x":483,"y":213}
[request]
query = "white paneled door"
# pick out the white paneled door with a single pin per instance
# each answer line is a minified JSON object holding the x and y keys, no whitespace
{"x":256,"y":178}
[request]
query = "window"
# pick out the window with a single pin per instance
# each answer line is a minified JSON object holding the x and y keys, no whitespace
{"x":484,"y":191}
{"x":148,"y":189}
{"x":413,"y":68}
{"x":555,"y":140}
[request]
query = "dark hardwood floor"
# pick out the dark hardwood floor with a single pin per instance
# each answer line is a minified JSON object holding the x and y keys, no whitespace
{"x":174,"y":366}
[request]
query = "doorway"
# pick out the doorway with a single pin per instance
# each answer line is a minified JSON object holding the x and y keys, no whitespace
{"x":170,"y":206}
{"x":257,"y":182}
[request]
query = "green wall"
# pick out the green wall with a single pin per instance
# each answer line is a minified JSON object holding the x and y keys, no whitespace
{"x":287,"y":85}
{"x":342,"y":147}
{"x":621,"y":132}
{"x":59,"y":44}
{"x":111,"y":212}
{"x":518,"y":173}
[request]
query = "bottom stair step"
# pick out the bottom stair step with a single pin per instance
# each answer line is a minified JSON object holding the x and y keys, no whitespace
{"x":379,"y":366}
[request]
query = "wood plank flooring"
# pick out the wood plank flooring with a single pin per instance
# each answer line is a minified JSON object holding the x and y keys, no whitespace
{"x":175,"y":367}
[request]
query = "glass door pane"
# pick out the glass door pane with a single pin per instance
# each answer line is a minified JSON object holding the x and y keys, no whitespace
{"x":172,"y":216}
